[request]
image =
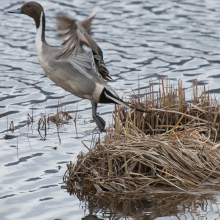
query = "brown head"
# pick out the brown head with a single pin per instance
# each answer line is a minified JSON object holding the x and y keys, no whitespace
{"x":32,"y":9}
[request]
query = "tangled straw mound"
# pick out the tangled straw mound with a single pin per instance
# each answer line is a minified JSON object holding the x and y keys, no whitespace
{"x":134,"y":162}
{"x":174,"y":145}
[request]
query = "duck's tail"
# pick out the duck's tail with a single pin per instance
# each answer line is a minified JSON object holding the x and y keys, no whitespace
{"x":108,"y":97}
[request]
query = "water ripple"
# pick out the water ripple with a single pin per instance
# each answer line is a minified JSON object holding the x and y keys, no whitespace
{"x":140,"y":39}
{"x":23,"y":159}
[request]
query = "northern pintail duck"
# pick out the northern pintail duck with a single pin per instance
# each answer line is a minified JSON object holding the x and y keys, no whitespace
{"x":78,"y":66}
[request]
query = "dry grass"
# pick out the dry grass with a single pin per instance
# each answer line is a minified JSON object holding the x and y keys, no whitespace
{"x":135,"y":162}
{"x":61,"y":117}
{"x":170,"y":110}
{"x":176,"y":145}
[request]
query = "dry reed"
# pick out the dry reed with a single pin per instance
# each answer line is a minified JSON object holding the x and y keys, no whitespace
{"x":61,"y":117}
{"x":175,"y":145}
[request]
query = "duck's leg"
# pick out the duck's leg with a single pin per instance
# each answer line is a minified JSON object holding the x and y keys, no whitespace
{"x":98,"y":120}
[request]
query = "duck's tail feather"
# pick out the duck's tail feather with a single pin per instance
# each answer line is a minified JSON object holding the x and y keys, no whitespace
{"x":108,"y":97}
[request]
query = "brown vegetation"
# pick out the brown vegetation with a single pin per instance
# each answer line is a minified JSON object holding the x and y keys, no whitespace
{"x":175,"y":145}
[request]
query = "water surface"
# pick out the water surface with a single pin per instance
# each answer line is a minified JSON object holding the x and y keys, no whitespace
{"x":140,"y":39}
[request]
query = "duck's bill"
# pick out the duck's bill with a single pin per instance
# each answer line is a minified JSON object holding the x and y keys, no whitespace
{"x":17,"y":11}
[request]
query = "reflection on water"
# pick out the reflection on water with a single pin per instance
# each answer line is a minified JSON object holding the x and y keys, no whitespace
{"x":150,"y":206}
{"x":140,"y":39}
{"x":91,"y":217}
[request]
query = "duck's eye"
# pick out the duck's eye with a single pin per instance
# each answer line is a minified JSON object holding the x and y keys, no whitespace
{"x":28,"y":6}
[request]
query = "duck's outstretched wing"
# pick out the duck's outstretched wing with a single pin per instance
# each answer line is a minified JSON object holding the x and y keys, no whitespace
{"x":77,"y":34}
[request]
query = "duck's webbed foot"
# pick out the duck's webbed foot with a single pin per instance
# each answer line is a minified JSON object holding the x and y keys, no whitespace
{"x":98,"y":120}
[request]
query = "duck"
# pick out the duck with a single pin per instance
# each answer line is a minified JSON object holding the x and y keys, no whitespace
{"x":77,"y":65}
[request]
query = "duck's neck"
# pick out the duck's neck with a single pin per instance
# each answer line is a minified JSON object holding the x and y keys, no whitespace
{"x":40,"y":36}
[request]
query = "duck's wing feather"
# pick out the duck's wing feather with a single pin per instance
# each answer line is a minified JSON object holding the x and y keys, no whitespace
{"x":67,"y":28}
{"x":78,"y":35}
{"x":83,"y":61}
{"x":86,"y":24}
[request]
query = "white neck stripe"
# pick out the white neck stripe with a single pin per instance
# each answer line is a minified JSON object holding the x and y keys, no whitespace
{"x":38,"y":39}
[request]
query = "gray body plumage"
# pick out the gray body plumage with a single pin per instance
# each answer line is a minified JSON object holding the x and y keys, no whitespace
{"x":63,"y":72}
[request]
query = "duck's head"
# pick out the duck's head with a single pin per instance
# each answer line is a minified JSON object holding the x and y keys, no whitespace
{"x":32,"y":9}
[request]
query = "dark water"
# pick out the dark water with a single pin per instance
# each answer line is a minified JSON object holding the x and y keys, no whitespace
{"x":140,"y":39}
